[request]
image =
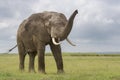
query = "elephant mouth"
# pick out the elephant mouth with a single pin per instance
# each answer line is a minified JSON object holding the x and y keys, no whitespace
{"x":56,"y":41}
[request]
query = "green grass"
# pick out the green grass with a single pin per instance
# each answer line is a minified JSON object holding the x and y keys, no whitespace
{"x":76,"y":68}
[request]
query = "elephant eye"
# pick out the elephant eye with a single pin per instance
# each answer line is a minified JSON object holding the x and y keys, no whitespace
{"x":60,"y":24}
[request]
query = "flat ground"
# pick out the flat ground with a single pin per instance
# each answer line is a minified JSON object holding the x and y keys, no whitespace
{"x":76,"y":68}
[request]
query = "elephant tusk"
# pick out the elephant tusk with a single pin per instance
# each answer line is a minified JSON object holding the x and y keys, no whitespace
{"x":70,"y":42}
{"x":54,"y":42}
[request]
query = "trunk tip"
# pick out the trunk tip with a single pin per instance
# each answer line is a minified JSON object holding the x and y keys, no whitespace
{"x":76,"y":11}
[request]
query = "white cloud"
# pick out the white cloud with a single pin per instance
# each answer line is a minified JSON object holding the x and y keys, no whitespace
{"x":96,"y":25}
{"x":3,"y":25}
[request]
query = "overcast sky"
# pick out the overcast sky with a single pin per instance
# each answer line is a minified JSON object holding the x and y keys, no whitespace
{"x":96,"y":27}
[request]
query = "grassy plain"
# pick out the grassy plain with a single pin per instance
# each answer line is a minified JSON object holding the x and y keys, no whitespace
{"x":77,"y":67}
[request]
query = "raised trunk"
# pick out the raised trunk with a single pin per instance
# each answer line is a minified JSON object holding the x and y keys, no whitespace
{"x":69,"y":24}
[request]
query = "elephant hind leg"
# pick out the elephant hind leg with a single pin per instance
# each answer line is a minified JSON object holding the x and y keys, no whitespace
{"x":22,"y":55}
{"x":31,"y":61}
{"x":41,"y":58}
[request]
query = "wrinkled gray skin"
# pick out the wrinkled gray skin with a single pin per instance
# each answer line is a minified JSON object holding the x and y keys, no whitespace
{"x":36,"y":32}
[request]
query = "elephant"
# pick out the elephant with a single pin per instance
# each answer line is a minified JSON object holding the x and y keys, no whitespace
{"x":39,"y":30}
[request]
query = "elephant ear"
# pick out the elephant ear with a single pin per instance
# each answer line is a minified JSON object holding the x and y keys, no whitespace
{"x":47,"y":23}
{"x":47,"y":26}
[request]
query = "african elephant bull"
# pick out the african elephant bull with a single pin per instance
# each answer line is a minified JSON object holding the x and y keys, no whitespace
{"x":39,"y":30}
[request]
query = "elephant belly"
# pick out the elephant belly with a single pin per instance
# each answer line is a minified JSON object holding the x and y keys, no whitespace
{"x":29,"y":46}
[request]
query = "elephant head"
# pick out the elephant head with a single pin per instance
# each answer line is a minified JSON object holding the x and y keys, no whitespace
{"x":61,"y":28}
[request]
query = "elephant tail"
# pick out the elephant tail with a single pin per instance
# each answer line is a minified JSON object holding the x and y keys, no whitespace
{"x":12,"y":48}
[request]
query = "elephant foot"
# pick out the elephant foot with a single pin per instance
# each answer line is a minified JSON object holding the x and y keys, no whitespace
{"x":60,"y":72}
{"x":42,"y":72}
{"x":32,"y":71}
{"x":21,"y":70}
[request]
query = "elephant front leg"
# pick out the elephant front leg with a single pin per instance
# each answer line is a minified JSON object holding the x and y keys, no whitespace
{"x":41,"y":59}
{"x":56,"y":50}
